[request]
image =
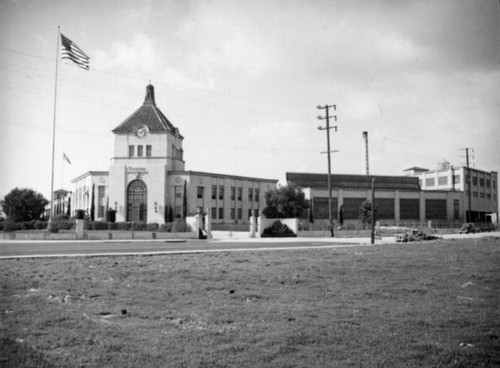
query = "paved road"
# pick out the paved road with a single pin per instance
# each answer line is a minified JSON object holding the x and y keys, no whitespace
{"x":30,"y":249}
{"x":17,"y":249}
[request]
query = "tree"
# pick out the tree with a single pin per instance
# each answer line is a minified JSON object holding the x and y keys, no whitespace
{"x":365,"y":213}
{"x":286,"y":201}
{"x":24,"y":205}
{"x":68,"y":212}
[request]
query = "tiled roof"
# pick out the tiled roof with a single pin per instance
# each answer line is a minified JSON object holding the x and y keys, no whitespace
{"x":360,"y":182}
{"x":148,"y":114}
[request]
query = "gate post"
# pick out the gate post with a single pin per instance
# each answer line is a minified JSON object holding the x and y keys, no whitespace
{"x":208,"y":223}
{"x":253,"y":224}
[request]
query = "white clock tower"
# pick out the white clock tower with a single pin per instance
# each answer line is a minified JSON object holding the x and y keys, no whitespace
{"x":146,"y":147}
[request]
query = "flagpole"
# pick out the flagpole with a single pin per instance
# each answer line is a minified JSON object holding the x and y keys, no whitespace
{"x":51,"y":215}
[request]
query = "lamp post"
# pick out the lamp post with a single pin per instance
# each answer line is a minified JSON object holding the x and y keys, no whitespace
{"x":327,"y":128}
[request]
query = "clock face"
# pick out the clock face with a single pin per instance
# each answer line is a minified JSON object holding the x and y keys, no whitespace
{"x":141,"y":131}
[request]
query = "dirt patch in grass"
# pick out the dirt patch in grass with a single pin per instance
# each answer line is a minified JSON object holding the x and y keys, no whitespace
{"x":415,"y":305}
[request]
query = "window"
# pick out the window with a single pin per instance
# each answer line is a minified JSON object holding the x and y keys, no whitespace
{"x":474,"y":194}
{"x":239,"y":214}
{"x":249,"y":212}
{"x":178,"y":191}
{"x":221,"y":192}
{"x":199,"y":193}
{"x":481,"y":182}
{"x":256,"y":195}
{"x":233,"y":212}
{"x":481,"y":195}
{"x":488,"y":183}
{"x":130,"y":151}
{"x":240,"y":193}
{"x":457,"y":179}
{"x":221,"y":213}
{"x":214,"y":213}
{"x":100,"y":200}
{"x":494,"y":184}
{"x":488,"y":195}
{"x":139,"y":151}
{"x":443,"y":180}
{"x":148,"y":150}
{"x":214,"y":191}
{"x":474,"y":180}
{"x":250,"y":194}
{"x":429,"y":182}
{"x":233,"y":193}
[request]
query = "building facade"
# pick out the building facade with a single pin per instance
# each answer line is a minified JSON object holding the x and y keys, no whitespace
{"x":398,"y":199}
{"x":147,"y":180}
{"x":95,"y":182}
{"x":480,"y":188}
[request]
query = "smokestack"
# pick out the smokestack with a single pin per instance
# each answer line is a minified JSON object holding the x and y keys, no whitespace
{"x":365,"y":137}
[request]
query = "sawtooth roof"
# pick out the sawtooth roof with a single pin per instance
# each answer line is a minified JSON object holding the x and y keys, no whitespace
{"x":148,"y":114}
{"x":360,"y":182}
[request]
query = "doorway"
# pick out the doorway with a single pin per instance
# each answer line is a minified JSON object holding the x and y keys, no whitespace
{"x":137,"y":199}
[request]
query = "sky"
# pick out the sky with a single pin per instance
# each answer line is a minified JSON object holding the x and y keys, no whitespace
{"x":242,"y":81}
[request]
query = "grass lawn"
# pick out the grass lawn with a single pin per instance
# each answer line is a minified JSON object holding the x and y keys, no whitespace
{"x":434,"y":304}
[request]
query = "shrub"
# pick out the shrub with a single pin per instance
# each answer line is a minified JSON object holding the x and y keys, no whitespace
{"x":54,"y":227}
{"x":65,"y":224}
{"x":80,"y":214}
{"x":28,"y":225}
{"x":99,"y":225}
{"x":152,"y":226}
{"x":165,"y":228}
{"x":111,"y":215}
{"x":122,"y":225}
{"x":40,"y":225}
{"x":138,"y":226}
{"x":278,"y":229}
{"x":11,"y":226}
{"x":180,"y":226}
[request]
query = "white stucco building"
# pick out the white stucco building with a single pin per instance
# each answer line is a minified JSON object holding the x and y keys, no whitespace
{"x":147,"y":180}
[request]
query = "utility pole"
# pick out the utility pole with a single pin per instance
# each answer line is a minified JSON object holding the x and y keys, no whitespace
{"x":468,"y":214}
{"x":373,"y":212}
{"x":327,"y":128}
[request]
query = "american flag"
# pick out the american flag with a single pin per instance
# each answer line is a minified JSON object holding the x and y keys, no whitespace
{"x":71,"y":51}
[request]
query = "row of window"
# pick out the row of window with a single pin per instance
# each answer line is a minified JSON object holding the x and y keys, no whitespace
{"x":443,"y":180}
{"x":481,"y":195}
{"x":482,"y":181}
{"x":234,"y":213}
{"x":236,"y":193}
{"x":132,"y":152}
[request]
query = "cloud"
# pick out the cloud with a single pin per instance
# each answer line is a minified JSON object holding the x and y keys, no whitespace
{"x":138,"y":53}
{"x":179,"y":79}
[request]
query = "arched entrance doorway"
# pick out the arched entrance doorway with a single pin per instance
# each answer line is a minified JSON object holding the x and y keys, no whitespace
{"x":137,"y":201}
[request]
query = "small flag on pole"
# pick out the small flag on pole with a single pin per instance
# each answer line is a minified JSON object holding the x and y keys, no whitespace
{"x":66,"y":158}
{"x":71,"y":51}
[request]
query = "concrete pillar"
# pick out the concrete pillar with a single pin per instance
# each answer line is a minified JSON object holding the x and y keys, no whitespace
{"x":258,"y":228}
{"x":80,"y":229}
{"x":422,"y":209}
{"x":208,"y":223}
{"x":253,"y":224}
{"x":198,"y":220}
